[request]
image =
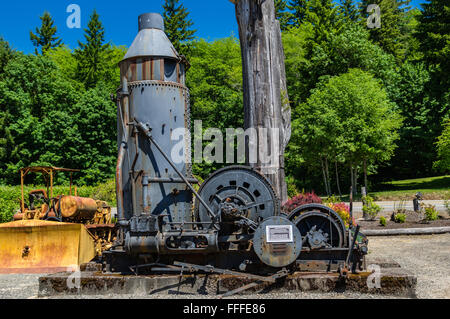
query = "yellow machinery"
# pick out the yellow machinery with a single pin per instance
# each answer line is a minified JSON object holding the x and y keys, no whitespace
{"x":51,"y":234}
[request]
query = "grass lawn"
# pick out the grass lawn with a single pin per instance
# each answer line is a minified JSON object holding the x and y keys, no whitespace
{"x":431,"y":188}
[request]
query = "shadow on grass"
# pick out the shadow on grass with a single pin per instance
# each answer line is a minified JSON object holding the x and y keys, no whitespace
{"x":438,"y":183}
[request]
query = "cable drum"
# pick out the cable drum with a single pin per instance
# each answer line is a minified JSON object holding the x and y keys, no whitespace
{"x":237,"y":192}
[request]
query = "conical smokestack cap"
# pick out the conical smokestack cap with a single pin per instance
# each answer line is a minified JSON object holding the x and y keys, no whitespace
{"x":151,"y":40}
{"x":151,"y":21}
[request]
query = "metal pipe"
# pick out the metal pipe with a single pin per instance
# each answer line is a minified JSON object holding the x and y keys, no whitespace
{"x":23,"y":198}
{"x":119,"y":178}
{"x":145,"y":192}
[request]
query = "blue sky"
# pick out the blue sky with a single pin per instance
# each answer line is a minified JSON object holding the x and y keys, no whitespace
{"x":213,"y":19}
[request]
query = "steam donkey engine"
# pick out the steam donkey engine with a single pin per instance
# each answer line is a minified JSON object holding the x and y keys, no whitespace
{"x":234,"y":220}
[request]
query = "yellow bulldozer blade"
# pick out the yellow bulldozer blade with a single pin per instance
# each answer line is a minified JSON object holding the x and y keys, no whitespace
{"x":35,"y":246}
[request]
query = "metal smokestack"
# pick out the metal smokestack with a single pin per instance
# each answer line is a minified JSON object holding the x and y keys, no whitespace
{"x":153,"y":91}
{"x":151,"y":21}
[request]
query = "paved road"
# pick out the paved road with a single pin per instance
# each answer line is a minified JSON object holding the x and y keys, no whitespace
{"x":389,"y":206}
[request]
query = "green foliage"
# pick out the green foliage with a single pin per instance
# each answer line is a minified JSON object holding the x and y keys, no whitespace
{"x":282,"y":13}
{"x":215,"y":83}
{"x":422,"y":117}
{"x":45,"y":38}
{"x":6,"y":54}
{"x":400,"y":218}
{"x":299,"y":9}
{"x":383,"y":221}
{"x":178,"y":26}
{"x":370,"y":208}
{"x":400,"y":208}
{"x":443,"y":149}
{"x":105,"y":192}
{"x":348,"y":9}
{"x":434,"y":37}
{"x":348,"y":117}
{"x":430,"y":212}
{"x":74,"y":128}
{"x":332,"y":200}
{"x":309,"y":62}
{"x":394,"y":32}
{"x":292,"y":189}
{"x":91,"y":56}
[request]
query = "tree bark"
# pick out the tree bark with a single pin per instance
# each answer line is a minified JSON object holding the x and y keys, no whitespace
{"x":266,"y":102}
{"x":328,"y":177}
{"x":324,"y":177}
{"x":365,"y":176}
{"x":337,"y":179}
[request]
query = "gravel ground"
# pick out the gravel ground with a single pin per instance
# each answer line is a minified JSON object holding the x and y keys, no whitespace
{"x":428,"y":257}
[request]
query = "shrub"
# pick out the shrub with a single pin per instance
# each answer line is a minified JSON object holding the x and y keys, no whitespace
{"x":383,"y":221}
{"x":344,"y":211}
{"x":292,"y":189}
{"x":430,"y":212}
{"x":400,"y":207}
{"x":105,"y":192}
{"x":300,"y":200}
{"x":400,"y":218}
{"x":370,"y":209}
{"x":332,"y":200}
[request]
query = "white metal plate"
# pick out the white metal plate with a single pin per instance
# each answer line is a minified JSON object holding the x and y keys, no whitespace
{"x":279,"y":234}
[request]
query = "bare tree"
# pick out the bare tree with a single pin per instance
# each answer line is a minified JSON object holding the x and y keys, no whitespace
{"x":266,"y":101}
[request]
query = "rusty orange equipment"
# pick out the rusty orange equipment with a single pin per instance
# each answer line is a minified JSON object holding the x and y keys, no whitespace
{"x":54,"y":233}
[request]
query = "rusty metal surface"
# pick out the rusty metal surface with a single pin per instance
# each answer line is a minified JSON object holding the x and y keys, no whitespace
{"x":31,"y":246}
{"x":77,"y":207}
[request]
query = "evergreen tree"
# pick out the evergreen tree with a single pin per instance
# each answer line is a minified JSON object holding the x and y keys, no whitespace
{"x":178,"y":26}
{"x":92,"y":55}
{"x":349,"y":10}
{"x":323,"y":15}
{"x":433,"y":32}
{"x":299,"y":10}
{"x":282,"y":13}
{"x":392,"y":36}
{"x":44,"y":37}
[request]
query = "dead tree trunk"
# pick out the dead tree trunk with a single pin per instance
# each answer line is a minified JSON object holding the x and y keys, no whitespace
{"x":266,"y":102}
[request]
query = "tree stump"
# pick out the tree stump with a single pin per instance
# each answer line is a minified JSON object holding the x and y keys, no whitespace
{"x":266,"y":101}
